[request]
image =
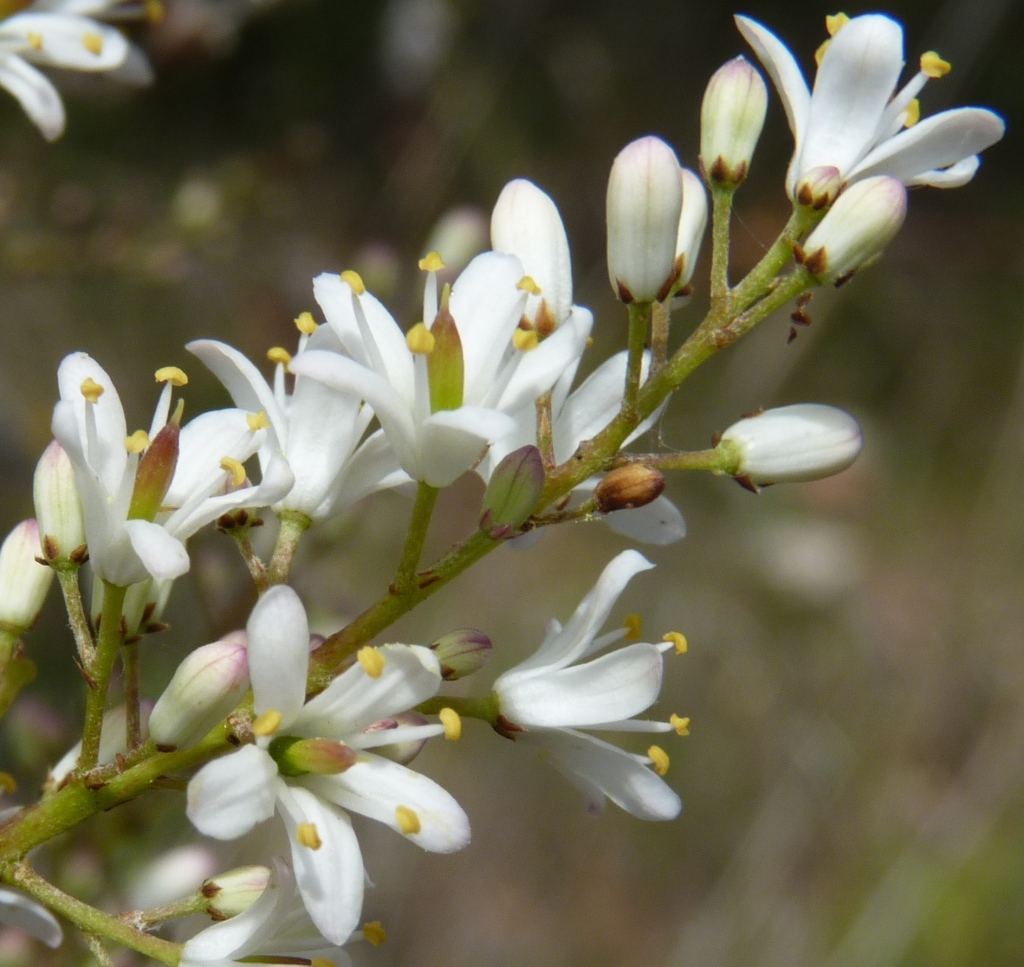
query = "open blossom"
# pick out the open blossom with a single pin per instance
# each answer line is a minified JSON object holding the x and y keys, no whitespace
{"x":856,"y":122}
{"x":312,"y":762}
{"x":18,"y":910}
{"x":136,"y":523}
{"x":552,"y":695}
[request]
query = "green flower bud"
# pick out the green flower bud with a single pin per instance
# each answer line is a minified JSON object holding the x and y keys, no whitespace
{"x":512,"y":494}
{"x":232,"y":893}
{"x":462,"y":652}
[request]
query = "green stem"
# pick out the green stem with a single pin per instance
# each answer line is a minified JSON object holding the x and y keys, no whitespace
{"x":133,"y":718}
{"x":639,"y":320}
{"x":100,"y":669}
{"x":422,"y":511}
{"x":8,"y":640}
{"x":293,"y":525}
{"x":721,"y":459}
{"x":96,"y":948}
{"x":146,"y":919}
{"x":660,"y":317}
{"x":721,"y":215}
{"x":257,"y":569}
{"x":67,"y":576}
{"x":88,"y":918}
{"x":545,"y":437}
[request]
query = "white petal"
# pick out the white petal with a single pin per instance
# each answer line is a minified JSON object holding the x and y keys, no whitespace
{"x":591,"y":407}
{"x":203,"y":443}
{"x":374,"y":466}
{"x":228,"y":796}
{"x":955,"y":176}
{"x":163,"y":555}
{"x":658,"y":522}
{"x":38,"y":97}
{"x":278,"y":635}
{"x":18,"y":910}
{"x":453,"y":441}
{"x":76,"y":43}
{"x":376,"y":787}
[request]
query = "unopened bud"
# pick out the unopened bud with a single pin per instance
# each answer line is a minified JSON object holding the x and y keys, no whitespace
{"x":643,"y":208}
{"x":627,"y":487}
{"x":857,"y":228}
{"x":513,"y":491}
{"x":819,"y":187}
{"x":731,"y":117}
{"x":23,"y":580}
{"x":155,"y":472}
{"x":445,"y":367}
{"x":806,"y":441}
{"x":207,"y":685}
{"x":458,"y":235}
{"x":693,"y":219}
{"x":462,"y":652}
{"x":322,"y":757}
{"x":526,"y":223}
{"x":233,"y":892}
{"x":58,"y":506}
{"x":401,"y":752}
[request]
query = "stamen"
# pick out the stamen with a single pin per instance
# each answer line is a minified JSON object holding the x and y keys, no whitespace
{"x":374,"y":932}
{"x":934,"y":66}
{"x":633,"y":624}
{"x":819,"y":54}
{"x":452,"y":724}
{"x":835,"y":22}
{"x":235,"y":468}
{"x":91,"y":390}
{"x":137,"y":442}
{"x":679,"y":640}
{"x":267,"y":723}
{"x":659,"y":757}
{"x":371,"y":660}
{"x":172,"y":375}
{"x":321,"y":962}
{"x":527,"y":284}
{"x":680,"y":723}
{"x":279,"y":355}
{"x":257,"y":421}
{"x":305,"y":323}
{"x":431,"y":262}
{"x":912,"y":113}
{"x":35,"y":41}
{"x":420,"y":340}
{"x":354,"y":280}
{"x":408,"y":821}
{"x":307,"y":836}
{"x":525,"y":339}
{"x":93,"y":43}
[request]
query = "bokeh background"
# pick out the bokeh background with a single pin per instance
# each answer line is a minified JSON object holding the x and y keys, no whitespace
{"x":854,"y":781}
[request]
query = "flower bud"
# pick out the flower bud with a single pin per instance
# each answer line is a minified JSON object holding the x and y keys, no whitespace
{"x":693,"y":219}
{"x":232,"y":893}
{"x":627,"y":487}
{"x":863,"y":220}
{"x":819,"y":187}
{"x":206,"y":686}
{"x":23,"y":580}
{"x":513,"y":491}
{"x":526,"y":223}
{"x":731,"y":117}
{"x":643,"y":207}
{"x":58,"y":506}
{"x":806,"y":441}
{"x":457,"y":236}
{"x":296,"y":756}
{"x":401,"y":752}
{"x":462,"y":652}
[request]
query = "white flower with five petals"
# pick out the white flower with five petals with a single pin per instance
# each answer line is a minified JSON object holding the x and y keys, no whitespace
{"x":318,"y":763}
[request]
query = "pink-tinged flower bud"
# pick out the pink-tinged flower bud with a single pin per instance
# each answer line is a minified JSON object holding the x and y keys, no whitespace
{"x":645,"y":200}
{"x":693,"y":219}
{"x":628,"y":487}
{"x":300,"y":757}
{"x":864,"y":219}
{"x":401,"y":752}
{"x":232,"y":893}
{"x":806,"y":441}
{"x":526,"y":223}
{"x":462,"y":652}
{"x":207,"y":685}
{"x":58,"y":506}
{"x":23,"y":580}
{"x":513,"y":492}
{"x":155,"y":472}
{"x":731,"y":118}
{"x":819,"y":187}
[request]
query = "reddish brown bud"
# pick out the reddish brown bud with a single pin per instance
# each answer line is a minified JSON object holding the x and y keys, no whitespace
{"x":634,"y":485}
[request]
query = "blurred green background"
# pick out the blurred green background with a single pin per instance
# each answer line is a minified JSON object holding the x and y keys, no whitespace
{"x":854,"y":781}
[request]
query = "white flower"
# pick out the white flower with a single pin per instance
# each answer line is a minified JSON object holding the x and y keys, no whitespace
{"x":54,"y":40}
{"x":552,"y":697}
{"x":854,"y":120}
{"x":18,"y":910}
{"x":89,"y":424}
{"x":318,"y":429}
{"x":311,"y":783}
{"x":275,"y":927}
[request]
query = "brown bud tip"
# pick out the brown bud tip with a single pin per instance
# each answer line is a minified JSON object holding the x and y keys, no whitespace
{"x":631,"y":486}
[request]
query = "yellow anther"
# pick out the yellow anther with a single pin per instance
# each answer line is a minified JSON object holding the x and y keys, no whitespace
{"x":633,"y":624}
{"x":525,"y":339}
{"x":527,"y":284}
{"x":354,"y":280}
{"x":835,"y":22}
{"x":374,"y":932}
{"x":172,"y":375}
{"x":371,"y":660}
{"x":590,"y":341}
{"x":819,"y":54}
{"x":934,"y":66}
{"x":137,"y":442}
{"x":321,"y":962}
{"x":279,"y":355}
{"x":257,"y":421}
{"x":408,"y":821}
{"x":307,"y":836}
{"x":420,"y":340}
{"x":305,"y":323}
{"x":93,"y":43}
{"x":235,"y":468}
{"x":680,"y":723}
{"x":452,"y":724}
{"x":155,"y":11}
{"x":678,"y":640}
{"x":91,"y":390}
{"x":7,"y":783}
{"x":659,"y":757}
{"x":267,"y":723}
{"x":912,"y":114}
{"x":35,"y":41}
{"x":431,"y":262}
